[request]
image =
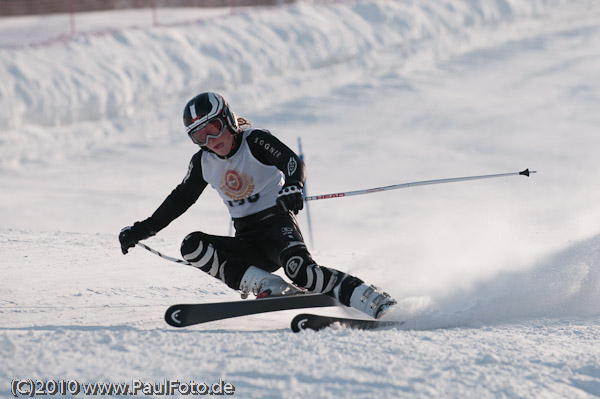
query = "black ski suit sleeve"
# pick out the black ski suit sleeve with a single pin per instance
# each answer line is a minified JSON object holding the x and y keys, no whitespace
{"x":181,"y":198}
{"x":267,"y":149}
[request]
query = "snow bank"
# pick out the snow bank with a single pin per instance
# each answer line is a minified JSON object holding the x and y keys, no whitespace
{"x":566,"y":284}
{"x":126,"y":86}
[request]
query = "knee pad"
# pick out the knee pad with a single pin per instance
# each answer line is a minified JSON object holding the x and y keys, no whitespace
{"x":295,"y":259}
{"x":304,"y":272}
{"x":196,"y":249}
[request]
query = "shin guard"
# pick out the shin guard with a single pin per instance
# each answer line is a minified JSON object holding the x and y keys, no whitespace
{"x":201,"y":253}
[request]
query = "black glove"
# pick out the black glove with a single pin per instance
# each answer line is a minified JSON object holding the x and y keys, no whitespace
{"x":131,"y":235}
{"x":290,"y":198}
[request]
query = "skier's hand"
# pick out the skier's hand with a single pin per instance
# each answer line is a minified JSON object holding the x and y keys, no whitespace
{"x":290,"y":198}
{"x":131,"y":235}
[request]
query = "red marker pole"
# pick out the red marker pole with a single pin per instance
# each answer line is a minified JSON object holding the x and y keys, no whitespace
{"x":310,"y":235}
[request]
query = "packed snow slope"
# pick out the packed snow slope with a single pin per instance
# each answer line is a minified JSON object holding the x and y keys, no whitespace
{"x":498,"y":280}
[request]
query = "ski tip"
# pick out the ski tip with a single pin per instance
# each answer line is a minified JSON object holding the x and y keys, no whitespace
{"x":527,"y":172}
{"x":173,"y":317}
{"x":299,"y":322}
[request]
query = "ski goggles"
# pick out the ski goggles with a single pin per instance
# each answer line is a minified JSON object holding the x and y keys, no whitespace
{"x":212,"y":129}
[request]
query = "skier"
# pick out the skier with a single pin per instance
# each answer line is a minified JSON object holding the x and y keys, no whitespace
{"x":260,"y":180}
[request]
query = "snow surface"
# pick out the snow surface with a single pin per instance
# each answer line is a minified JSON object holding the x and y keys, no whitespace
{"x":498,"y":280}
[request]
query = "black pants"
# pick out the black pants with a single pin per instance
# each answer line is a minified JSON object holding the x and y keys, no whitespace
{"x":268,"y":240}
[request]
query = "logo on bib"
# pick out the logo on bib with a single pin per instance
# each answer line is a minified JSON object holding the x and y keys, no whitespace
{"x":237,"y":185}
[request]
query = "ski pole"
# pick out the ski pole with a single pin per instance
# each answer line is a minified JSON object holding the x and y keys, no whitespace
{"x":155,"y":252}
{"x":525,"y":172}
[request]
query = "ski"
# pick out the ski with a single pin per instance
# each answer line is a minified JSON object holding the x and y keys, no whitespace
{"x":306,"y":321}
{"x":184,"y":315}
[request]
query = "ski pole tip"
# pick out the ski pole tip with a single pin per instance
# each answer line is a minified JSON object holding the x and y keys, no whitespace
{"x":527,"y":172}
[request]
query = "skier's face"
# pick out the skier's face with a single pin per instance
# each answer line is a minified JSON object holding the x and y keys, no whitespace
{"x":221,"y":145}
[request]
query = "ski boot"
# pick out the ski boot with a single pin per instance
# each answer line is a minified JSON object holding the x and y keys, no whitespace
{"x":264,"y":284}
{"x":371,"y":301}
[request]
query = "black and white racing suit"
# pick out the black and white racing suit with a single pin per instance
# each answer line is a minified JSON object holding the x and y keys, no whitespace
{"x":248,"y":181}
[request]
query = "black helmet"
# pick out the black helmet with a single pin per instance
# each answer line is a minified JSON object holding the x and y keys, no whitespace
{"x":205,"y":108}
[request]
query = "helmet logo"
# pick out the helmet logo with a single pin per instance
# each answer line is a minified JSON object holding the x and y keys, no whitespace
{"x":216,"y":105}
{"x":193,"y":112}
